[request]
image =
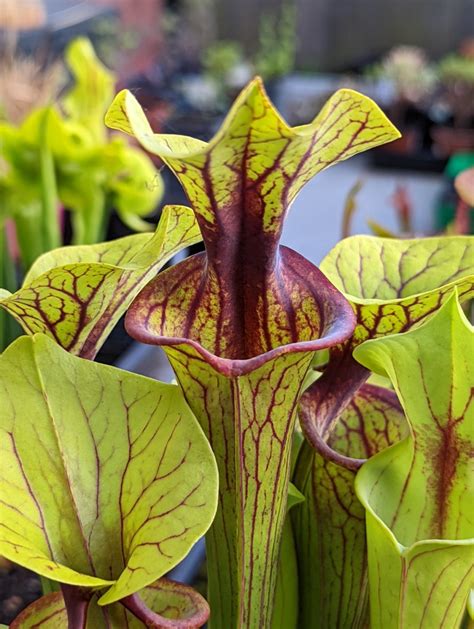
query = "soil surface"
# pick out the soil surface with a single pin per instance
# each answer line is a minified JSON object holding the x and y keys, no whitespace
{"x":18,"y":588}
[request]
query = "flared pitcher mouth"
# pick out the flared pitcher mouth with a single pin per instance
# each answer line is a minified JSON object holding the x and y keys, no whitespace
{"x":334,"y":332}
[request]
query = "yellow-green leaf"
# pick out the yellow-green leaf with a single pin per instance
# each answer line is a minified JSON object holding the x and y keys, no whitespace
{"x":106,"y":478}
{"x":256,"y":159}
{"x":76,"y":295}
{"x":371,"y":270}
{"x":418,"y":494}
{"x":392,"y":285}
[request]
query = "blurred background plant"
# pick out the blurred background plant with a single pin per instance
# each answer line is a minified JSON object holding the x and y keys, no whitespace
{"x":226,"y":68}
{"x":63,"y":154}
{"x":276,"y":54}
{"x":61,"y":173}
{"x":456,"y":74}
{"x":226,"y":71}
{"x":411,"y":76}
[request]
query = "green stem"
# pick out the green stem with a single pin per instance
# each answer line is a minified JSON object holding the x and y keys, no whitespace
{"x":285,"y":610}
{"x":105,"y":221}
{"x":9,"y":329}
{"x":243,"y":548}
{"x":49,"y":193}
{"x":78,"y":227}
{"x":251,"y":437}
{"x":95,"y":219}
{"x":330,"y":542}
{"x":30,"y":237}
{"x":8,"y":271}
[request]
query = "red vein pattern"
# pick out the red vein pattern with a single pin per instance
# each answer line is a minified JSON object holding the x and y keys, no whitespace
{"x":420,"y":530}
{"x":179,"y":605}
{"x":393,"y":286}
{"x":76,"y":295}
{"x":248,"y":422}
{"x":330,"y":525}
{"x":122,"y":482}
{"x":241,"y":322}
